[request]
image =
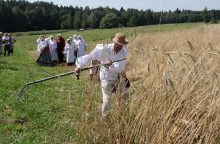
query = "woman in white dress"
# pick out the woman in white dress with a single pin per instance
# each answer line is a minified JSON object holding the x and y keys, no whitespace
{"x":69,"y":52}
{"x":53,"y":49}
{"x":81,"y":47}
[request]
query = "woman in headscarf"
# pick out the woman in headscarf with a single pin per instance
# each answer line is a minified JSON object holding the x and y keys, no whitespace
{"x":69,"y":51}
{"x":53,"y":49}
{"x":45,"y":56}
{"x":60,"y":47}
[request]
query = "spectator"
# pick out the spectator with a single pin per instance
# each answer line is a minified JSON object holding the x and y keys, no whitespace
{"x":38,"y":42}
{"x":69,"y":51}
{"x":60,"y":47}
{"x":6,"y":42}
{"x":45,"y":56}
{"x":53,"y":49}
{"x":12,"y":40}
{"x":81,"y":47}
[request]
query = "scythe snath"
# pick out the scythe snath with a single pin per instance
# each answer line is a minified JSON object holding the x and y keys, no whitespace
{"x":57,"y":76}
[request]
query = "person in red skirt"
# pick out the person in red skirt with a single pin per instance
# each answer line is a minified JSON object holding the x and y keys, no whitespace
{"x":45,"y":58}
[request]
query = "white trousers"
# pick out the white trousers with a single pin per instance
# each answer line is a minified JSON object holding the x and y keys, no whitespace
{"x":107,"y":91}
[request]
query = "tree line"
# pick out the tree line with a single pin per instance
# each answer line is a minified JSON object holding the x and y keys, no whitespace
{"x":21,"y":15}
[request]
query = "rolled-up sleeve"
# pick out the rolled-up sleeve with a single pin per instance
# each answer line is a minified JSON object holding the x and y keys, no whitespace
{"x":86,"y":59}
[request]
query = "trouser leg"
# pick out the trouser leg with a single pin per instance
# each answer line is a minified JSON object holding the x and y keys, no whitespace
{"x":107,"y":87}
{"x":5,"y":50}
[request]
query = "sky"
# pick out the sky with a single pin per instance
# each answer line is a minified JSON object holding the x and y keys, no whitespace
{"x":156,"y":5}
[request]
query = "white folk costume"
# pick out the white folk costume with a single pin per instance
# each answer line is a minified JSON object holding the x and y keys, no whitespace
{"x":69,"y":51}
{"x":53,"y":49}
{"x":45,"y":56}
{"x":108,"y":76}
{"x":81,"y":47}
{"x":38,"y":44}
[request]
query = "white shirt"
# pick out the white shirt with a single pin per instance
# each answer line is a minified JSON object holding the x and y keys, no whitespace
{"x":52,"y":44}
{"x":6,"y":39}
{"x":104,"y":53}
{"x":41,"y":45}
{"x":69,"y":51}
{"x":81,"y":48}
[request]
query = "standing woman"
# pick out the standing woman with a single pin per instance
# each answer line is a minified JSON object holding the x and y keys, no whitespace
{"x":45,"y":56}
{"x":60,"y":47}
{"x":81,"y":47}
{"x":38,"y":43}
{"x":53,"y":49}
{"x":69,"y":51}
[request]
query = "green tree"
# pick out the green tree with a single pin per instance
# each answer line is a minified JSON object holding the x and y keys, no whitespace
{"x":206,"y":15}
{"x":132,"y":21}
{"x":77,"y":20}
{"x":109,"y":21}
{"x":93,"y":20}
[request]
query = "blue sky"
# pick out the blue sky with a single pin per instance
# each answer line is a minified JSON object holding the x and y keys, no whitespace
{"x":156,"y":5}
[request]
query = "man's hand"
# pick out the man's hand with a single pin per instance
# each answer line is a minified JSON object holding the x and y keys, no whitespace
{"x":108,"y":64}
{"x":77,"y":72}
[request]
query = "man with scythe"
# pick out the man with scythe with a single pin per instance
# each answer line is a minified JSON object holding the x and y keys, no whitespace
{"x":110,"y":71}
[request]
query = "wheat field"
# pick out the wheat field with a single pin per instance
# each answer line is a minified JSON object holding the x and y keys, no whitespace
{"x":174,"y":92}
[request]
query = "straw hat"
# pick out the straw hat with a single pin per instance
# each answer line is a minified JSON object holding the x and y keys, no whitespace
{"x":120,"y":39}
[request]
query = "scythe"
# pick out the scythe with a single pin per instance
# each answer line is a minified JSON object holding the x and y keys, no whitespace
{"x":55,"y":77}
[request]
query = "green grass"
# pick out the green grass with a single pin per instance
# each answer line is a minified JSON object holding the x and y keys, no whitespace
{"x":50,"y":110}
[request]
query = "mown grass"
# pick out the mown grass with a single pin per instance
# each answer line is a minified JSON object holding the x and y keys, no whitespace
{"x":51,"y":111}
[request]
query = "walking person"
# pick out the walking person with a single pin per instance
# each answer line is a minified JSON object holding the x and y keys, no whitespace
{"x":60,"y":47}
{"x":109,"y":72}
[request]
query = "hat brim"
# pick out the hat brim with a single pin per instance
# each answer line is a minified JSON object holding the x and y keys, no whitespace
{"x":120,"y":43}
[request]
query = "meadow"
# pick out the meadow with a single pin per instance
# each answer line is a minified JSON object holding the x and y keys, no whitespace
{"x":174,"y":94}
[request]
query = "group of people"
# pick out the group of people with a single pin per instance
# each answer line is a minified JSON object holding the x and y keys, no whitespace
{"x":110,"y":57}
{"x":53,"y":50}
{"x":6,"y":44}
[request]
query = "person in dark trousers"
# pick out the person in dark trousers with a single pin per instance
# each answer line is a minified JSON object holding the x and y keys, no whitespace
{"x":11,"y":42}
{"x":6,"y":42}
{"x":60,"y":47}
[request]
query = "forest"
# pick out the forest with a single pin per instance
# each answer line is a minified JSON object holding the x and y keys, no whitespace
{"x":21,"y":15}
